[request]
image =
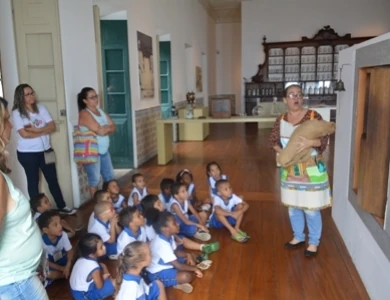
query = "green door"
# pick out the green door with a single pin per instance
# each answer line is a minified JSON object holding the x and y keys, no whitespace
{"x":117,"y":99}
{"x":165,"y":79}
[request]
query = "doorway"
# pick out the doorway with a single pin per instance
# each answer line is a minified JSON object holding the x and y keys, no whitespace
{"x":116,"y":90}
{"x":165,"y":75}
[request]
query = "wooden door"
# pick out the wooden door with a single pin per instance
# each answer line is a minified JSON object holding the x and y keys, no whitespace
{"x":116,"y":87}
{"x":38,"y":46}
{"x":372,"y":152}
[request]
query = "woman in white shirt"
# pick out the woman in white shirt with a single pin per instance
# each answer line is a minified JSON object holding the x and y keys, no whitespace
{"x":34,"y":124}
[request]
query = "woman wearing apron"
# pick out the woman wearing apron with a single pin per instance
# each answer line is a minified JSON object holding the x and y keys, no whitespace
{"x":305,"y":186}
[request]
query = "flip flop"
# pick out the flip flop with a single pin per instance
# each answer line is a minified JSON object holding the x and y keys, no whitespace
{"x":204,"y":265}
{"x":201,"y":257}
{"x":243,"y":233}
{"x":239,"y":238}
{"x":203,"y":236}
{"x":210,"y":248}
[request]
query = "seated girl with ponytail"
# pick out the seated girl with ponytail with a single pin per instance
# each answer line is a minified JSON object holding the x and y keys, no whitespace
{"x":131,"y":262}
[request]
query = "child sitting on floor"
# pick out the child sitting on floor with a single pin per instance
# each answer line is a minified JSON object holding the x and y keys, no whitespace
{"x":132,"y":222}
{"x":186,"y":177}
{"x":56,"y":245}
{"x":151,"y":208}
{"x":171,"y":266}
{"x":105,"y":224}
{"x":190,"y":226}
{"x":228,"y":211}
{"x":214,"y":173}
{"x":91,"y":279}
{"x":117,"y":199}
{"x":99,"y":196}
{"x":40,"y":203}
{"x":139,"y":190}
{"x":131,"y":261}
{"x":166,"y":191}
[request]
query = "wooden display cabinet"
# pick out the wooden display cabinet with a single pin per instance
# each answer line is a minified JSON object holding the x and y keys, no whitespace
{"x":311,"y":63}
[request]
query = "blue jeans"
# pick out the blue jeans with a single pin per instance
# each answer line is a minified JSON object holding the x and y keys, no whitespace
{"x":28,"y":289}
{"x":102,"y":167}
{"x":314,"y":224}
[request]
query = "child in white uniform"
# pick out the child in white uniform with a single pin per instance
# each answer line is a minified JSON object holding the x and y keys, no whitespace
{"x":190,"y":226}
{"x":228,"y":211}
{"x":214,"y":173}
{"x":105,"y":224}
{"x":170,"y":265}
{"x":131,"y":285}
{"x":56,"y":245}
{"x":166,"y":191}
{"x":117,"y":199}
{"x":99,"y":196}
{"x":91,"y":279}
{"x":132,"y":222}
{"x":139,"y":191}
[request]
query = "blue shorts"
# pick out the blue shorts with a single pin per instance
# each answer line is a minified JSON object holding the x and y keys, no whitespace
{"x":215,"y":223}
{"x":94,"y":293}
{"x":154,"y":291}
{"x":187,"y":230}
{"x":111,"y":248}
{"x":167,"y":276}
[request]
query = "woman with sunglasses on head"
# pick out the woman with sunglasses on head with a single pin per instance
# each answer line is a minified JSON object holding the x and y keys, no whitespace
{"x":300,"y":192}
{"x":34,"y":125}
{"x":93,"y":118}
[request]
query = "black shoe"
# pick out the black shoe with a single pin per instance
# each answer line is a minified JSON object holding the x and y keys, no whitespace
{"x":310,"y":253}
{"x":67,"y":211}
{"x":288,"y":245}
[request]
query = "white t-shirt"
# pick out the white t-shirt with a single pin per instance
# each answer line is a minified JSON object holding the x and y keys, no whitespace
{"x":165,"y":200}
{"x":162,"y":254}
{"x":150,"y":232}
{"x":38,"y":120}
{"x":232,"y":202}
{"x":126,"y":237}
{"x":183,"y":207}
{"x":37,"y":215}
{"x":141,"y":195}
{"x":83,"y":268}
{"x":118,"y":204}
{"x":56,"y":252}
{"x":100,"y":228}
{"x":133,"y":288}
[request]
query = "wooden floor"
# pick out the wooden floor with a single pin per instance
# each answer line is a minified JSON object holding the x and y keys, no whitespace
{"x":261,"y":268}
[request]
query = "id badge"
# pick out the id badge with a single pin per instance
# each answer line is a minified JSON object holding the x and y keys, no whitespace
{"x":57,"y":256}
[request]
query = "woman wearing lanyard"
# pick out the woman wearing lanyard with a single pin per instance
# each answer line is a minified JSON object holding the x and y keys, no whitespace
{"x":93,"y":118}
{"x":34,"y":124}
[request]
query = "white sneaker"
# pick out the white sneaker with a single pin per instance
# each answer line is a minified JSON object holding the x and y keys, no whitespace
{"x":203,"y":236}
{"x":67,"y":211}
{"x":113,"y":256}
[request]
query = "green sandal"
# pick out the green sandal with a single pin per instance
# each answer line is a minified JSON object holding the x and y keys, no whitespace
{"x":239,"y":238}
{"x":243,"y":233}
{"x":210,"y":248}
{"x":201,"y":257}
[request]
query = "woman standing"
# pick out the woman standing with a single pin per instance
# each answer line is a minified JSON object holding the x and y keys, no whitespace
{"x":92,"y":118}
{"x":20,"y":239}
{"x":34,"y":124}
{"x":305,"y":195}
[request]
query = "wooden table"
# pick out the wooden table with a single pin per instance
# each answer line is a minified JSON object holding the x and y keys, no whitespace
{"x":165,"y":132}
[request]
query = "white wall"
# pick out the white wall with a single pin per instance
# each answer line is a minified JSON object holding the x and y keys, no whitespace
{"x":229,"y":79}
{"x":10,"y":81}
{"x":79,"y":63}
{"x":186,"y":22}
{"x":369,"y":259}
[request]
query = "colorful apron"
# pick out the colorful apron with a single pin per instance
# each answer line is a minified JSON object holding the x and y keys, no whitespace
{"x":304,"y":185}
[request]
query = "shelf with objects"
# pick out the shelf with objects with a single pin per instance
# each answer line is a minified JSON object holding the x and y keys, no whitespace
{"x":311,"y":62}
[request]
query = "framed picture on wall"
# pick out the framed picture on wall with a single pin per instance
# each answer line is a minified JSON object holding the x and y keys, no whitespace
{"x":199,"y":79}
{"x":145,"y":65}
